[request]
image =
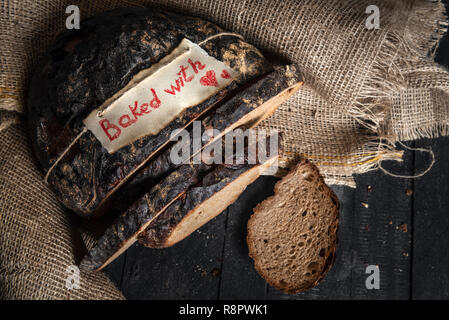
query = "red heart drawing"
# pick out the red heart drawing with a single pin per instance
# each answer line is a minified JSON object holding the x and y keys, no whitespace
{"x":225,"y":75}
{"x":209,"y":79}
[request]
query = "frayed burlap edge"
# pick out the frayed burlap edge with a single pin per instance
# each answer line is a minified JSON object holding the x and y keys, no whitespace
{"x":419,"y":40}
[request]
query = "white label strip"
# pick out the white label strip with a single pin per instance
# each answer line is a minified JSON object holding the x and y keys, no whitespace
{"x":156,"y":96}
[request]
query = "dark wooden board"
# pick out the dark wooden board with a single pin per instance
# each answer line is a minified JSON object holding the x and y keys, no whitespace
{"x":115,"y":270}
{"x":239,"y":279}
{"x":431,"y":224}
{"x":188,"y":270}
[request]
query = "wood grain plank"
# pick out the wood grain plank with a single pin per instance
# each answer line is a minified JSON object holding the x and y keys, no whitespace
{"x":115,"y":271}
{"x":431,"y":220}
{"x":188,"y":270}
{"x":239,"y":278}
{"x":383,"y":220}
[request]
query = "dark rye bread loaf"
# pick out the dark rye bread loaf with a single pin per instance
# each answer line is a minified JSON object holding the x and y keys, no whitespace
{"x":87,"y":67}
{"x":243,"y":111}
{"x":292,"y":236}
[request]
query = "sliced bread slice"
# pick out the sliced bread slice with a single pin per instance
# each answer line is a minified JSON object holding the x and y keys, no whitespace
{"x":292,"y":236}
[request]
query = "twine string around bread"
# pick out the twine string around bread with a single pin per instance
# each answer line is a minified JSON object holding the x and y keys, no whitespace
{"x":67,"y":149}
{"x":64,"y":153}
{"x":221,"y":34}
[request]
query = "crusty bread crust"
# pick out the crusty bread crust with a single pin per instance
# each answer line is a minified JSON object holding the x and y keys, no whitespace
{"x":292,"y":235}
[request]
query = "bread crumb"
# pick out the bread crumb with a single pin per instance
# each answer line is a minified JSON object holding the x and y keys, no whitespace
{"x":215,"y":272}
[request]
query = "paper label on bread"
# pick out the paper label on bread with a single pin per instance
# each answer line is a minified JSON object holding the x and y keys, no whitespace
{"x":157,"y":95}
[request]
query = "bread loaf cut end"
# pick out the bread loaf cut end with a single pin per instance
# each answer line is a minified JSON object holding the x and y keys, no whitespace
{"x":216,"y":204}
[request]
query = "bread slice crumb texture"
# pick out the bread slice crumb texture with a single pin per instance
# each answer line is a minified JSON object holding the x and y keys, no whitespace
{"x":292,"y":236}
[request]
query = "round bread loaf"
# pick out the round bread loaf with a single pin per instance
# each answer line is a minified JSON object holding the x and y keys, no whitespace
{"x":86,"y":67}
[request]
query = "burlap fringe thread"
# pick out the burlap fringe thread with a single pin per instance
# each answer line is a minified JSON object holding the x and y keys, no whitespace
{"x":384,"y":80}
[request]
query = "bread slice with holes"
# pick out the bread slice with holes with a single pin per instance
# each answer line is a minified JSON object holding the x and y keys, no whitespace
{"x":292,"y":236}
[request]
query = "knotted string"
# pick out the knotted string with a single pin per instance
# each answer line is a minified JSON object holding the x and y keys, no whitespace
{"x":429,"y":151}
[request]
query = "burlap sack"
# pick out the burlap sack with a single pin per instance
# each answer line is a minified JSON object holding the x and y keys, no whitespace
{"x":365,"y":90}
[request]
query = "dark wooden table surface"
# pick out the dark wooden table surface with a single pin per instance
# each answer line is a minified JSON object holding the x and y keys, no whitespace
{"x":400,"y":225}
